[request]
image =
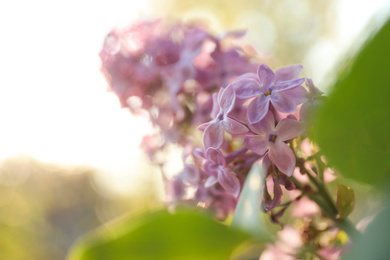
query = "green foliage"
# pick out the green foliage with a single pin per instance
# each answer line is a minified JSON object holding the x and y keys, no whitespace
{"x":353,"y":127}
{"x":374,"y":244}
{"x":345,"y":200}
{"x":161,"y":235}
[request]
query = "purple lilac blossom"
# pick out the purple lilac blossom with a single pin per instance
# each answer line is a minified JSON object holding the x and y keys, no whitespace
{"x":271,"y":139}
{"x":213,"y":135}
{"x":215,"y":166}
{"x":266,"y":89}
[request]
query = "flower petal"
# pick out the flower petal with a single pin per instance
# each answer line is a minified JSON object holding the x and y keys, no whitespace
{"x":175,"y":188}
{"x":216,"y":156}
{"x":211,"y":180}
{"x":247,"y":88}
{"x":191,"y":174}
{"x":226,"y":99}
{"x":314,"y":92}
{"x":229,"y":181}
{"x":250,"y":75}
{"x":256,"y":143}
{"x":203,"y":126}
{"x":288,"y":72}
{"x":284,"y":85}
{"x":266,"y":76}
{"x":234,"y":127}
{"x":213,"y":135}
{"x":265,"y":126}
{"x":298,"y":94}
{"x":257,"y":109}
{"x":265,"y":164}
{"x":215,"y":109}
{"x":289,"y":128}
{"x":270,"y":204}
{"x":282,"y":156}
{"x":283,"y":102}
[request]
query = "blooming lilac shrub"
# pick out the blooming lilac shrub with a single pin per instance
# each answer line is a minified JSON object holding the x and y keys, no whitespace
{"x":188,"y":81}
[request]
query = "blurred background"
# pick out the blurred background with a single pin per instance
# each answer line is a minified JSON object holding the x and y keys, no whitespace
{"x":69,"y":155}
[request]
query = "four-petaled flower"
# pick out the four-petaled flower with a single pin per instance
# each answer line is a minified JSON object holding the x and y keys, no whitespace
{"x":269,"y":137}
{"x":214,"y":130}
{"x":215,"y":167}
{"x":266,"y":88}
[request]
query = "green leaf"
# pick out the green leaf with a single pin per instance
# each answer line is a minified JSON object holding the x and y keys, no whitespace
{"x":160,"y":235}
{"x":374,"y":243}
{"x":248,"y":215}
{"x":345,"y":200}
{"x":353,"y":127}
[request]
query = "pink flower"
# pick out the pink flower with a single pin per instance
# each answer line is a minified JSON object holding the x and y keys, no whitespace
{"x":267,"y":88}
{"x":286,"y":246}
{"x":269,"y":137}
{"x":215,"y":166}
{"x":214,"y":130}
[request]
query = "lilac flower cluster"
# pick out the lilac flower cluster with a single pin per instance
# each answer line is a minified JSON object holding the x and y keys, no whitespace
{"x":186,"y":79}
{"x":170,"y":70}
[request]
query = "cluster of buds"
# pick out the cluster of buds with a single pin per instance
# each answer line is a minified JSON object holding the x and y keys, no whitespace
{"x":187,"y":80}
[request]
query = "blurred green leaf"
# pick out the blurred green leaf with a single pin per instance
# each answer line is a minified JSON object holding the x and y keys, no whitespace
{"x":374,"y":244}
{"x":161,"y":235}
{"x":345,"y":200}
{"x":248,"y":215}
{"x":353,"y":127}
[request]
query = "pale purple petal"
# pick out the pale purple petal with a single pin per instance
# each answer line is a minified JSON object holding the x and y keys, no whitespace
{"x":226,"y":99}
{"x":229,"y":181}
{"x":213,"y":135}
{"x":265,"y":164}
{"x":215,"y":109}
{"x":278,"y":196}
{"x":203,"y":126}
{"x":284,"y":85}
{"x":266,"y":76}
{"x":210,"y":168}
{"x":283,"y":102}
{"x":298,"y":94}
{"x":249,"y":75}
{"x":282,"y":156}
{"x":289,"y":128}
{"x":234,"y":127}
{"x":191,"y":174}
{"x":314,"y":92}
{"x":239,"y":110}
{"x":257,"y":143}
{"x":257,"y":109}
{"x":265,"y":126}
{"x":210,"y":181}
{"x":198,"y":152}
{"x":247,"y":88}
{"x":288,"y":72}
{"x":175,"y":188}
{"x":216,"y":156}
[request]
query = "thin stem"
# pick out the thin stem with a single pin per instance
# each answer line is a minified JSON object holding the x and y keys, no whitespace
{"x":229,"y":158}
{"x":344,"y":224}
{"x":324,"y":194}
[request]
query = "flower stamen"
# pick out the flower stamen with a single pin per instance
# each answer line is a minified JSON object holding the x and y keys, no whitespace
{"x":272,"y":138}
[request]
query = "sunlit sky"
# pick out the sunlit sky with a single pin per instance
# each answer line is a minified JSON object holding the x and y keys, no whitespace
{"x":53,"y":100}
